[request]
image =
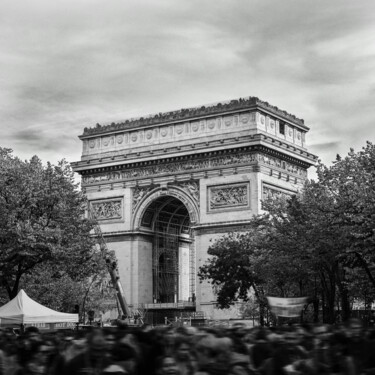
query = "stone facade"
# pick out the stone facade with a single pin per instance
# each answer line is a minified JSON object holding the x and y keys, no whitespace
{"x":218,"y":162}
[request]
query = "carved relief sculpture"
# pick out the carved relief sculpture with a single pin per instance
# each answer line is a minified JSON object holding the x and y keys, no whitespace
{"x":171,"y":168}
{"x":292,"y":168}
{"x":138,"y":194}
{"x":182,"y":166}
{"x":273,"y":193}
{"x":228,"y":196}
{"x":107,"y":209}
{"x":192,"y":188}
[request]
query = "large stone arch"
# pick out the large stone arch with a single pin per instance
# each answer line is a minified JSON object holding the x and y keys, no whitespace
{"x":173,"y":191}
{"x":212,"y":163}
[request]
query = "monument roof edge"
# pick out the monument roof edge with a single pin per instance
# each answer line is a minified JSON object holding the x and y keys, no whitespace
{"x":194,"y":112}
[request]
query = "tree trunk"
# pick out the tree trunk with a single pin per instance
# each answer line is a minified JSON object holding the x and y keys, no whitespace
{"x":328,"y":294}
{"x":85,"y":298}
{"x":344,"y":295}
{"x":315,"y":302}
{"x":316,"y":309}
{"x":345,"y":305}
{"x":366,"y":268}
{"x":13,"y":291}
{"x":261,"y":305}
{"x":5,"y":284}
{"x":331,"y":300}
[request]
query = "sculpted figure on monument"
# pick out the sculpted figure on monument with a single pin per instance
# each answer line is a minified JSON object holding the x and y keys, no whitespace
{"x":107,"y":210}
{"x":269,"y":193}
{"x":192,"y":188}
{"x":188,"y":165}
{"x":229,"y":196}
{"x":138,"y":194}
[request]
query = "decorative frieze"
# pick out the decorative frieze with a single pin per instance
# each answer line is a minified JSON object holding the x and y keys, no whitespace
{"x":172,"y":168}
{"x":278,"y":163}
{"x":165,"y":133}
{"x":182,"y":166}
{"x":228,"y":196}
{"x":107,"y":209}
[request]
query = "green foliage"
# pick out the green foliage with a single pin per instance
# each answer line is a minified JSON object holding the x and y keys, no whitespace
{"x":230,"y":269}
{"x":42,"y":222}
{"x":52,"y":287}
{"x":319,"y":242}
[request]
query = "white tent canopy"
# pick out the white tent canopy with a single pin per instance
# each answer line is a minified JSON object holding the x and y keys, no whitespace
{"x":23,"y":310}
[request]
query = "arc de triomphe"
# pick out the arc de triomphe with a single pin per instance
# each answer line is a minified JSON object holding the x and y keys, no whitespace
{"x":163,"y":186}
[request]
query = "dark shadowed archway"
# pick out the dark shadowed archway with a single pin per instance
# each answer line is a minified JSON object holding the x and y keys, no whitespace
{"x":173,"y":255}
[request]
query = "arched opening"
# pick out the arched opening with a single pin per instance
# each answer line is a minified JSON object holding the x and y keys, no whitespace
{"x":173,"y":251}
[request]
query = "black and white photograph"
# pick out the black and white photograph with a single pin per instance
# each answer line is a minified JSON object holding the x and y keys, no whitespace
{"x":187,"y":187}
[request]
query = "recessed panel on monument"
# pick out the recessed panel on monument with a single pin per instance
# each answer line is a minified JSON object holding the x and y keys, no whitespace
{"x":163,"y":186}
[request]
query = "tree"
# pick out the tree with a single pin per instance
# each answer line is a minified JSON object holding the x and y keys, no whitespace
{"x":242,"y":263}
{"x":319,"y":242}
{"x":42,"y":221}
{"x":351,"y":181}
{"x":61,"y":292}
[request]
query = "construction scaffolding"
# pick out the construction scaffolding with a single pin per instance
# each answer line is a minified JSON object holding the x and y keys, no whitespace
{"x":172,"y":262}
{"x":165,"y":266}
{"x":192,"y":270}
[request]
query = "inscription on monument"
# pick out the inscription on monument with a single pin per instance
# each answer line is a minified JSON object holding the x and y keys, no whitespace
{"x":106,"y":210}
{"x":228,"y":196}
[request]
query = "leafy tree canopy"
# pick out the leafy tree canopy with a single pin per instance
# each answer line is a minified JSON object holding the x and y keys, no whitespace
{"x":319,"y":242}
{"x":42,"y":222}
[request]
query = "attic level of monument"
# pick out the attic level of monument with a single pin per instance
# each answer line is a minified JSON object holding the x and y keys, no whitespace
{"x":245,"y":125}
{"x":269,"y":144}
{"x":209,"y":110}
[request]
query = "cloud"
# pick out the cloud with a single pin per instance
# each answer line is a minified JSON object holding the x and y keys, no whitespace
{"x":67,"y":65}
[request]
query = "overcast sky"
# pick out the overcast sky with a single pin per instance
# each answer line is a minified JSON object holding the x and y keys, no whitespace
{"x":68,"y":64}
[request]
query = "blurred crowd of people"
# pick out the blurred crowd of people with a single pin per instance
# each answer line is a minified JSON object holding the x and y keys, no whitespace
{"x":348,"y":349}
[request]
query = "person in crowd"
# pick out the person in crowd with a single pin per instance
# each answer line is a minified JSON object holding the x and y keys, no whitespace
{"x":345,"y":349}
{"x":357,"y":343}
{"x":167,"y":365}
{"x":35,"y":359}
{"x":93,"y":360}
{"x":125,"y":355}
{"x":183,"y":355}
{"x":213,"y":355}
{"x":260,"y":348}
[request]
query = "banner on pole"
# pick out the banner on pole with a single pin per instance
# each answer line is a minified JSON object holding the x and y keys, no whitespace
{"x":287,"y":307}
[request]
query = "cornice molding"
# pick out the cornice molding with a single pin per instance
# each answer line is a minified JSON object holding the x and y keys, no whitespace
{"x":275,"y":147}
{"x":234,"y":159}
{"x":129,"y":235}
{"x":196,"y":157}
{"x":222,"y":227}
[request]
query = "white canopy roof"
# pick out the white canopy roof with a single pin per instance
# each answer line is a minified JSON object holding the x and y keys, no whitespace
{"x":23,"y":310}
